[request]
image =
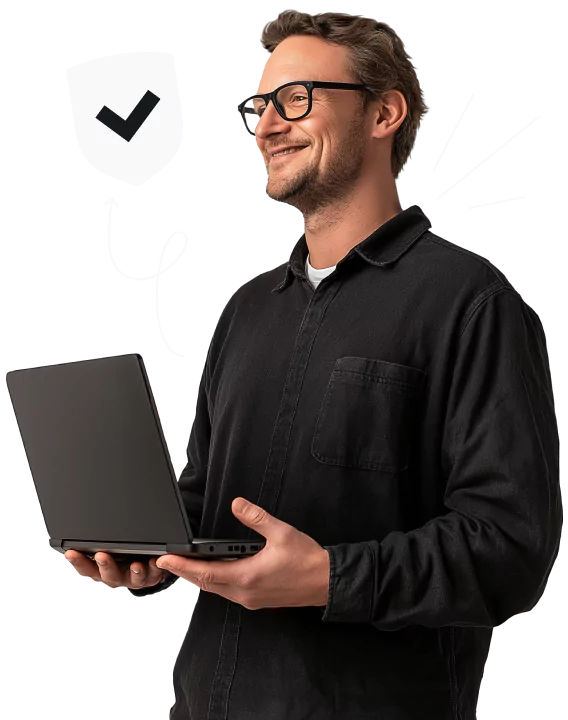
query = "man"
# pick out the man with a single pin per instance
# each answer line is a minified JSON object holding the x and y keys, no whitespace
{"x":384,"y":403}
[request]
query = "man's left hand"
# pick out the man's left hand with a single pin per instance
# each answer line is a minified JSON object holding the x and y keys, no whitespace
{"x":291,"y":570}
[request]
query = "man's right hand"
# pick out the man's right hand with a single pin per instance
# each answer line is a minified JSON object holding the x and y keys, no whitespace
{"x":105,"y":569}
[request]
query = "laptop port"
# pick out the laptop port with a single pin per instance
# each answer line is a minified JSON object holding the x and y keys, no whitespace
{"x":243,"y":549}
{"x":211,"y":548}
{"x":230,"y":548}
{"x":254,"y":547}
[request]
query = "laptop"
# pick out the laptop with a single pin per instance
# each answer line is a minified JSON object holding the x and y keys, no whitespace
{"x":100,"y":464}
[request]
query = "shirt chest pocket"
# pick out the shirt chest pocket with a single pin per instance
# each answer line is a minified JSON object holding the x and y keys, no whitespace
{"x":366,"y":416}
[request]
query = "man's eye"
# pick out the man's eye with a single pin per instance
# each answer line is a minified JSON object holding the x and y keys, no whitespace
{"x":299,"y":96}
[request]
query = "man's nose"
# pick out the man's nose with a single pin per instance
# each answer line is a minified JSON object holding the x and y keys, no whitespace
{"x":270,"y":122}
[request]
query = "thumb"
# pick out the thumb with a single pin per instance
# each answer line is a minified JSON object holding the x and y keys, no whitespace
{"x":254,"y":516}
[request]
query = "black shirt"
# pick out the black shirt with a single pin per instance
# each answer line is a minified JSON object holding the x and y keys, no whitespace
{"x":402,"y":415}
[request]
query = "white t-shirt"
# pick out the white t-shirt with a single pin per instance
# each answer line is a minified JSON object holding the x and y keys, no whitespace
{"x":315,"y":275}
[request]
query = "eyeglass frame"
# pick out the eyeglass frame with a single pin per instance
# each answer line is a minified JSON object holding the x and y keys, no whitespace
{"x":308,"y":84}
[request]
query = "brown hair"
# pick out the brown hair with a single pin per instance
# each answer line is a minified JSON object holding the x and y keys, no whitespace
{"x":377,"y":59}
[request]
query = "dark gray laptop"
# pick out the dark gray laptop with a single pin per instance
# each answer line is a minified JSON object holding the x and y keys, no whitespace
{"x":100,"y":464}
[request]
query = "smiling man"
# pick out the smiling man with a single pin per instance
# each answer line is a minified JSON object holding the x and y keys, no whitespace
{"x":330,"y":164}
{"x":383,"y":401}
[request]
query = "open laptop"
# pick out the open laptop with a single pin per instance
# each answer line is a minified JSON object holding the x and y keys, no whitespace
{"x":100,"y":463}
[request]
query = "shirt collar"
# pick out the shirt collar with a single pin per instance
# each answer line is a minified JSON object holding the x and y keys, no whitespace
{"x":384,"y":246}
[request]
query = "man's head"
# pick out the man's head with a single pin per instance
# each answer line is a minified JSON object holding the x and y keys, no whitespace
{"x":347,"y":133}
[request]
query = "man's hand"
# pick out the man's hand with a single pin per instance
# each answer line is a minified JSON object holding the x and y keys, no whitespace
{"x":105,"y":569}
{"x":292,"y":570}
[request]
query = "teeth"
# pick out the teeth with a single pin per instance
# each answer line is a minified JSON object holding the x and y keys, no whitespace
{"x":286,"y":152}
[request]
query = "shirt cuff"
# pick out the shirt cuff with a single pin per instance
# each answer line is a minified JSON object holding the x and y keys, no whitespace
{"x":351,"y":583}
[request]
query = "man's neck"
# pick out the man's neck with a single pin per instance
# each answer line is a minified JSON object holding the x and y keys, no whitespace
{"x":332,"y":231}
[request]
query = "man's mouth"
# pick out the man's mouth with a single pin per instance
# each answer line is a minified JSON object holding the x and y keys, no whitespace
{"x":285,"y":153}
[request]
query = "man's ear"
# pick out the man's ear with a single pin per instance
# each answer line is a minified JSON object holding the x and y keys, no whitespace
{"x":389,"y":112}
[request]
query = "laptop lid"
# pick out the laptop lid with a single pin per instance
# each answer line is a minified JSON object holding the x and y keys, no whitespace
{"x":97,"y":451}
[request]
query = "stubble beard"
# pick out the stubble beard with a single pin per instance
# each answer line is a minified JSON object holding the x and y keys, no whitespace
{"x":308,"y":188}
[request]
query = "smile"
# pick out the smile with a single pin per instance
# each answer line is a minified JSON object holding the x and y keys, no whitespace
{"x":285,"y":154}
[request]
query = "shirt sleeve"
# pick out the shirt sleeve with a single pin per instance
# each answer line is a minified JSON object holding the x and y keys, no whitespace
{"x":489,"y":557}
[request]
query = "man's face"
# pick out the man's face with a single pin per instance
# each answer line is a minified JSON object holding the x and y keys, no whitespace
{"x":334,"y":131}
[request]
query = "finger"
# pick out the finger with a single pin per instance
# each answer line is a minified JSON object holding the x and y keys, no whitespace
{"x":83,"y":565}
{"x":155,"y":574}
{"x":110,"y":573}
{"x":145,"y":575}
{"x":138,"y":575}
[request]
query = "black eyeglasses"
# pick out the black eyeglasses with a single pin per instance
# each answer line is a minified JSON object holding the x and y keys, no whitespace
{"x":293,"y":101}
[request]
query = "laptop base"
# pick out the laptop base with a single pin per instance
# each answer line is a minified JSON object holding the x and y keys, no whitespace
{"x":199,"y":548}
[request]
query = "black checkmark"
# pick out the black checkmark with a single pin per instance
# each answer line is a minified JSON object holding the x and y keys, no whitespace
{"x":129,"y":127}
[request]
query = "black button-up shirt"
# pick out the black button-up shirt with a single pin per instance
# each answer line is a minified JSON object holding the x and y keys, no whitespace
{"x":402,"y":415}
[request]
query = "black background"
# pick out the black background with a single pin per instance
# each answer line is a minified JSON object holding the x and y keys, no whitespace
{"x":79,"y":650}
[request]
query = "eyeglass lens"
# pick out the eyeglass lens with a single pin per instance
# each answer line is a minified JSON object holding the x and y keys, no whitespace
{"x":293,"y":100}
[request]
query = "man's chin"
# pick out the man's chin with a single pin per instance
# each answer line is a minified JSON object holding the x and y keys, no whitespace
{"x":278,"y":196}
{"x":283,"y":200}
{"x":277,"y":190}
